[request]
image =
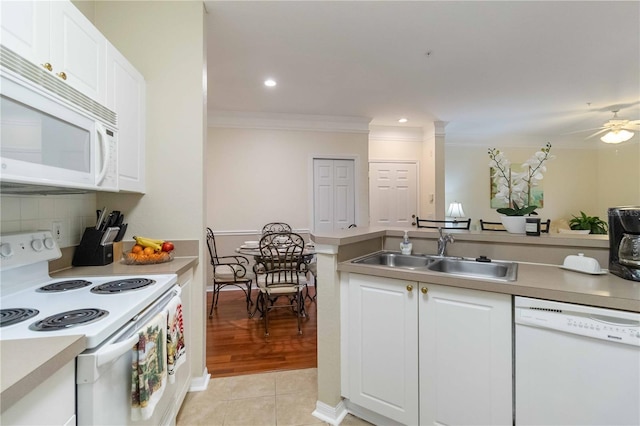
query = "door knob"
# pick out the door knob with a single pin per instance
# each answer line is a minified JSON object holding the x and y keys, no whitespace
{"x":62,"y":75}
{"x":409,"y":288}
{"x":424,"y":290}
{"x":47,"y":66}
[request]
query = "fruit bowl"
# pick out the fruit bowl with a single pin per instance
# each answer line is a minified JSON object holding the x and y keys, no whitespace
{"x":146,"y":259}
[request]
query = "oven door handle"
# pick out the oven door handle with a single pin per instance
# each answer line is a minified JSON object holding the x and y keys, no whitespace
{"x":116,"y":350}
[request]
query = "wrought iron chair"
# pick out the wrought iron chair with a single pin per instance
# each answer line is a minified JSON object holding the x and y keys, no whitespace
{"x":272,"y":227}
{"x":447,"y":224}
{"x":279,"y":273}
{"x":498,"y":226}
{"x":491,"y":226}
{"x":228,"y":271}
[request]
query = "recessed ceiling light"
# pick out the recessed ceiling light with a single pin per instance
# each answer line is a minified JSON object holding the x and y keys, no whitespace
{"x":270,"y":82}
{"x":402,"y":120}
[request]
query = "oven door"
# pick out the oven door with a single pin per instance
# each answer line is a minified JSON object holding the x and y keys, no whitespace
{"x":45,"y":142}
{"x":104,"y":374}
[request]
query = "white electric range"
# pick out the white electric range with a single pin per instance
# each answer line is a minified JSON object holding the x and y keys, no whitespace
{"x":108,"y":310}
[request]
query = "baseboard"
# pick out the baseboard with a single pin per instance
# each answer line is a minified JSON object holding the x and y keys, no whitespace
{"x":329,"y":414}
{"x":199,"y":384}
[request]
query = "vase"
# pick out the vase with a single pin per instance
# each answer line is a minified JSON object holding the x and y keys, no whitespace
{"x":514,"y":224}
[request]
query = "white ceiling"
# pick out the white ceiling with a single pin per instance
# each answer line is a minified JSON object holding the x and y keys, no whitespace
{"x":494,"y":69}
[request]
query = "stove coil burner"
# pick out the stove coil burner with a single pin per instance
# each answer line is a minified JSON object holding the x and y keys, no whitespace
{"x":64,"y":286}
{"x":16,"y":315}
{"x":120,"y":286}
{"x":69,"y":319}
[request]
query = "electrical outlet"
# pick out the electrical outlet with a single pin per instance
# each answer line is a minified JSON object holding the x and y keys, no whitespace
{"x":57,"y":231}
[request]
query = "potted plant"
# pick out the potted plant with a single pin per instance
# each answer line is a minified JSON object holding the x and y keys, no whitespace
{"x":515,"y":189}
{"x":593,"y":224}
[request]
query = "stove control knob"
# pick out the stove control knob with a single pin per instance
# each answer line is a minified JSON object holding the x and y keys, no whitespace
{"x":6,"y":250}
{"x":37,"y":245}
{"x":49,"y":243}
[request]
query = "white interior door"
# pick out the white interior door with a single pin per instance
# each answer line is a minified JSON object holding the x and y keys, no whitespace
{"x":393,"y":193}
{"x":333,"y":194}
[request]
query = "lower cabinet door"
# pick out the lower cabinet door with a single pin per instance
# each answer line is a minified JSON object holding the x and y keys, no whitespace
{"x":465,"y":356}
{"x":383,"y":346}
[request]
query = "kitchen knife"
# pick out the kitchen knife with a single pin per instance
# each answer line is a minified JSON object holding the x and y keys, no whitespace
{"x":120,"y":236}
{"x":119,"y":218}
{"x":101,"y":216}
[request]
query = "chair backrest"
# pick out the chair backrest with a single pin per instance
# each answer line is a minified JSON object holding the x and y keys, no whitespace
{"x":281,"y":256}
{"x":272,"y":227}
{"x":544,"y":226}
{"x":211,"y":244}
{"x":498,"y":226}
{"x":447,"y":224}
{"x":491,"y":226}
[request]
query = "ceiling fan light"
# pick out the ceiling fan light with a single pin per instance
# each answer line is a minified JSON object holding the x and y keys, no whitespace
{"x":617,"y":136}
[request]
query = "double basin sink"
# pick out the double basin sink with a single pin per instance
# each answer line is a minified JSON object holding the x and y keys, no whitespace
{"x":478,"y":268}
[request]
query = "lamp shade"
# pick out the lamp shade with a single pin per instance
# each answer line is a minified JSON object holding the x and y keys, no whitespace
{"x":617,"y":136}
{"x":455,"y":210}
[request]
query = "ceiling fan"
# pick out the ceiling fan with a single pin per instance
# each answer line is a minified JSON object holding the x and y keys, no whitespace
{"x":617,"y":129}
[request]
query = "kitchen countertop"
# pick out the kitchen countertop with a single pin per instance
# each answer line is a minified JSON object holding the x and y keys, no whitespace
{"x":25,"y":363}
{"x":534,"y":280}
{"x":178,"y":266}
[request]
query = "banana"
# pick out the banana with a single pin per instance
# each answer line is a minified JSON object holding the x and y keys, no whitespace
{"x":153,"y":240}
{"x":148,"y":242}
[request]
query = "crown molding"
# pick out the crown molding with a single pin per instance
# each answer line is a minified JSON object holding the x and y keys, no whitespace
{"x":396,"y":133}
{"x":276,"y":121}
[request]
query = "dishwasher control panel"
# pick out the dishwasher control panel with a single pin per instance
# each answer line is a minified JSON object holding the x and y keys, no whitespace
{"x":598,"y":323}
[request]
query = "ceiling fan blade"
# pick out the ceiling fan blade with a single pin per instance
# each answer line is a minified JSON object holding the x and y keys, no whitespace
{"x":596,"y":133}
{"x":583,"y":130}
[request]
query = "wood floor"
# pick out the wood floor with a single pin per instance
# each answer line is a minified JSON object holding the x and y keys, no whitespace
{"x":236,"y":344}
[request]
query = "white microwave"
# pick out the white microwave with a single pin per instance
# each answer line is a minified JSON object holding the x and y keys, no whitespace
{"x":47,"y":141}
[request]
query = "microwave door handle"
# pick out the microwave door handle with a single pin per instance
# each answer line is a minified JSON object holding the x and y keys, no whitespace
{"x":102,"y":135}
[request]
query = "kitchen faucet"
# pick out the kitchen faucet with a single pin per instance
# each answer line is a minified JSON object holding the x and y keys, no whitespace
{"x":442,"y":242}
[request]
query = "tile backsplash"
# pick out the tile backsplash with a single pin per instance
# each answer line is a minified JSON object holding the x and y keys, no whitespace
{"x":70,"y":214}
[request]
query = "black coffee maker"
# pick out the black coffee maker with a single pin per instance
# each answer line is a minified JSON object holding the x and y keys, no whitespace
{"x":624,"y":242}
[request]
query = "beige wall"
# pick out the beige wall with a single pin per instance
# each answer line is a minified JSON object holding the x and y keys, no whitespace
{"x":577,"y":179}
{"x":258,"y":176}
{"x":165,"y":42}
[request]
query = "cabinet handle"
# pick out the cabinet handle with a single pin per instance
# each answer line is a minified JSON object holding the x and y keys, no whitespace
{"x":62,"y":75}
{"x":47,"y":66}
{"x":409,"y":288}
{"x":424,"y":290}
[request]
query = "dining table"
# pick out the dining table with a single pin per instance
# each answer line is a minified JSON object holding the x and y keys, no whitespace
{"x":308,"y":256}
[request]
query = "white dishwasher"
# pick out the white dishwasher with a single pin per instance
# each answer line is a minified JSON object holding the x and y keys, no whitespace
{"x":575,"y":364}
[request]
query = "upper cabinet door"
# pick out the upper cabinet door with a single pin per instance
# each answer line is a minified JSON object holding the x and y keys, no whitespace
{"x":126,"y":96}
{"x":25,"y":29}
{"x":78,"y":51}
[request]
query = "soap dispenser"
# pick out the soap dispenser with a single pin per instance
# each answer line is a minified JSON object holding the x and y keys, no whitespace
{"x":405,"y":245}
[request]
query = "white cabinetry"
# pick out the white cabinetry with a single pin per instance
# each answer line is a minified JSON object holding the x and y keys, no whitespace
{"x":383,"y":346}
{"x":52,"y":402}
{"x":60,"y":38}
{"x":465,"y":356}
{"x":126,"y":90}
{"x":428,"y":354}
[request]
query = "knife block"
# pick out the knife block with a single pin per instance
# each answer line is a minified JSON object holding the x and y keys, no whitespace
{"x":90,"y":252}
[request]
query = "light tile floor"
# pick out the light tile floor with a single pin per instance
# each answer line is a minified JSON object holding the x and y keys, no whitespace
{"x":283,"y":398}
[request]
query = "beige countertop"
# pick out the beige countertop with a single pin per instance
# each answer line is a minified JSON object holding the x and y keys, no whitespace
{"x":25,"y":363}
{"x":178,"y":266}
{"x":534,"y":280}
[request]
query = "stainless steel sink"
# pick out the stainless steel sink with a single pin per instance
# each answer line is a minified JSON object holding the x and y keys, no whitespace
{"x":506,"y":271}
{"x":397,"y":260}
{"x":494,"y":269}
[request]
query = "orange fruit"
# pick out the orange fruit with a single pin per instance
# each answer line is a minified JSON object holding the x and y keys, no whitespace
{"x":148,"y":251}
{"x":137,"y":248}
